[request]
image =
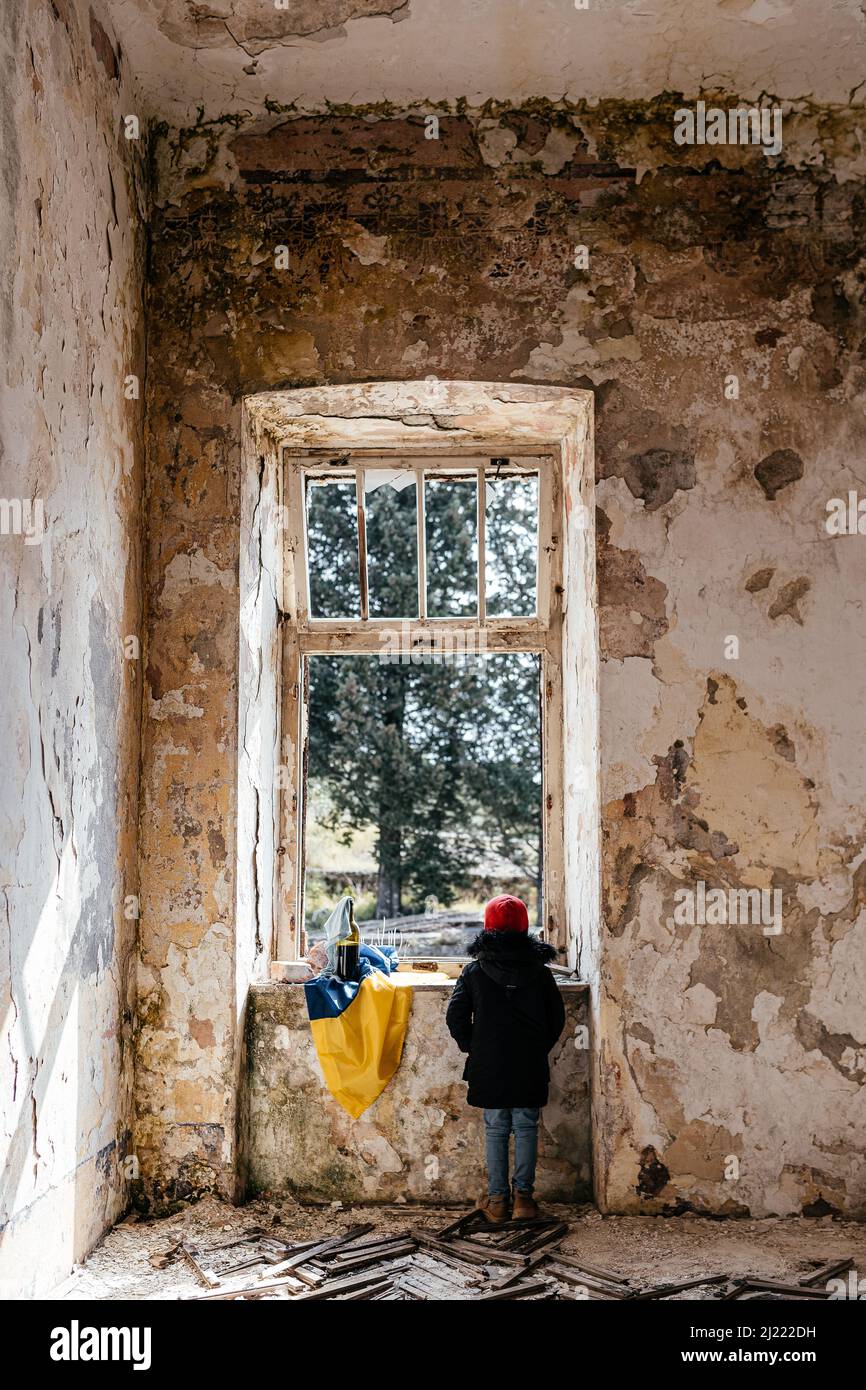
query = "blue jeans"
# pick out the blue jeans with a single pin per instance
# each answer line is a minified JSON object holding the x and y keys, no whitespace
{"x":498,"y":1125}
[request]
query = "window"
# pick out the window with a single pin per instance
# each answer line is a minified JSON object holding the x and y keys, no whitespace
{"x":424,"y":792}
{"x":422,"y":683}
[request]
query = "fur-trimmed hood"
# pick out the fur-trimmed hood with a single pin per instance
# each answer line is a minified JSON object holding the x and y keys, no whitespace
{"x":510,"y":958}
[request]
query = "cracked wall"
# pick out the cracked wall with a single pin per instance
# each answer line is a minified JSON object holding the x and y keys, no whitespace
{"x":71,"y":441}
{"x":456,"y":257}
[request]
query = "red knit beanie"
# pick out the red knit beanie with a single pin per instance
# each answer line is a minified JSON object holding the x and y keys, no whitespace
{"x":506,"y":913}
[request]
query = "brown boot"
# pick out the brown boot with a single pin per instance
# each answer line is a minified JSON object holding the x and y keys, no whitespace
{"x":495,"y":1209}
{"x":525,"y":1207}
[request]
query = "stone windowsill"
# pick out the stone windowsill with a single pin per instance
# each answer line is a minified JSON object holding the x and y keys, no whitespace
{"x":419,"y":979}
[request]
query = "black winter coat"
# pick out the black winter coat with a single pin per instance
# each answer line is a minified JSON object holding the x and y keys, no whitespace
{"x":506,"y":1012}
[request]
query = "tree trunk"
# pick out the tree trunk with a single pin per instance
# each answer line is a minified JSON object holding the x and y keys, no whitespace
{"x":389,"y":890}
{"x":388,"y":887}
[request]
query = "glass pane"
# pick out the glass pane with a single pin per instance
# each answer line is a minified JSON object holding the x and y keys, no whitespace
{"x":512,"y":545}
{"x":451,"y":524}
{"x":424,"y":795}
{"x":392,"y":551}
{"x":332,"y":549}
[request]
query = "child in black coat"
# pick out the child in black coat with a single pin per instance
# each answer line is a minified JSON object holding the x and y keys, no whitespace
{"x":506,"y":1012}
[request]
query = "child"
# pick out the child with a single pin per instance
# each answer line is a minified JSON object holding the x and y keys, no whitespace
{"x":506,"y":1012}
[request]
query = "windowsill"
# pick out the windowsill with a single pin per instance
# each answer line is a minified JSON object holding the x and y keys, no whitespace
{"x":418,"y":979}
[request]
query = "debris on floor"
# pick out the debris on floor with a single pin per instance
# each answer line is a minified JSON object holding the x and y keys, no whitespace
{"x":467,"y":1260}
{"x":213,"y":1252}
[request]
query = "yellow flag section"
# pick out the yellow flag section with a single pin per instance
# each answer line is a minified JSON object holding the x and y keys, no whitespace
{"x":359,"y":1027}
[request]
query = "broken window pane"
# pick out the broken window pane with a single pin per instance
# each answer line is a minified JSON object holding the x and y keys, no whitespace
{"x":392,"y":543}
{"x":452,"y":547}
{"x":512,"y":545}
{"x":332,"y":549}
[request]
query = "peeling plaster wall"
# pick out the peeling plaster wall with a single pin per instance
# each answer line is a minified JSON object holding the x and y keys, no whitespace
{"x":455,"y":257}
{"x":419,"y":1140}
{"x":308,"y":53}
{"x":73,"y":250}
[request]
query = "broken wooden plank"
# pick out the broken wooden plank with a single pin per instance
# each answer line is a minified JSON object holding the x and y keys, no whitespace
{"x":204,"y":1276}
{"x":280,"y":1249}
{"x":749,"y":1284}
{"x":738,"y":1287}
{"x":498,"y":1228}
{"x":371,"y":1291}
{"x":527,"y":1222}
{"x":467,"y":1269}
{"x":782,"y":1286}
{"x":586,"y":1281}
{"x":665,"y":1290}
{"x":746,"y":1293}
{"x":251,"y":1234}
{"x":338,"y":1286}
{"x":227,"y":1291}
{"x":252,"y":1263}
{"x":448,"y":1271}
{"x":436,"y":1286}
{"x":417,"y":1289}
{"x":403,"y":1247}
{"x":519,"y":1290}
{"x":346,"y":1253}
{"x":312,"y":1278}
{"x":364,"y":1247}
{"x":447,"y":1249}
{"x":544,"y":1239}
{"x":357,"y":1247}
{"x":332,"y":1243}
{"x":826,"y":1272}
{"x":490,"y":1254}
{"x":595,"y":1270}
{"x":577,"y":1293}
{"x":461,"y":1221}
{"x":288,"y":1283}
{"x":516,"y":1274}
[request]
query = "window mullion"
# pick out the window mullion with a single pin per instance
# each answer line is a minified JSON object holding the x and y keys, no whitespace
{"x":482,"y":545}
{"x":548,"y":500}
{"x":362,"y":545}
{"x":295,"y":542}
{"x":420,"y":526}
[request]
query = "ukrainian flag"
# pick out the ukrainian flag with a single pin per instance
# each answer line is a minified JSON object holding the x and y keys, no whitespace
{"x":359,"y":1027}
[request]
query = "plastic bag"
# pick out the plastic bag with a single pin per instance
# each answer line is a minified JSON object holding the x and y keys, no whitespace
{"x":337,"y":929}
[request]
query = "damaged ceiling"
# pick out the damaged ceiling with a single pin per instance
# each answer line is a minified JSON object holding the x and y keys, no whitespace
{"x":232,"y":55}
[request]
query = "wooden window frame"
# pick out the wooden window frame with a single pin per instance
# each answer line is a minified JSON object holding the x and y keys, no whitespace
{"x":304,"y":636}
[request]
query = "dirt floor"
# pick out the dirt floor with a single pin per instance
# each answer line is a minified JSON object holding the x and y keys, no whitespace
{"x":648,"y":1250}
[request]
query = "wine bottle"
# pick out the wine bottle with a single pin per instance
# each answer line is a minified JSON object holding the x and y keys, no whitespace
{"x":348,"y":948}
